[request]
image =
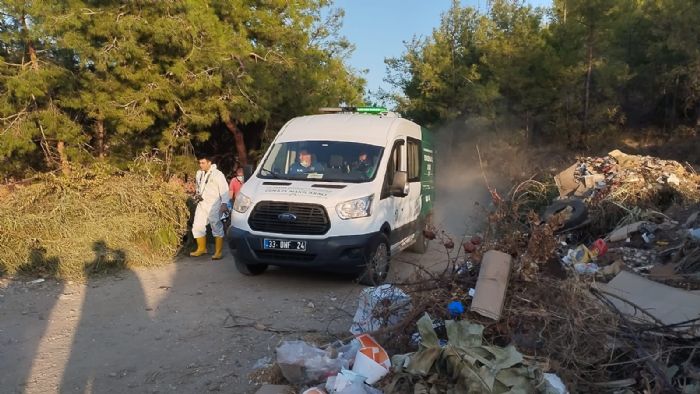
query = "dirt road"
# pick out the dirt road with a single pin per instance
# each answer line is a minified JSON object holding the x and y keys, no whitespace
{"x":168,"y":329}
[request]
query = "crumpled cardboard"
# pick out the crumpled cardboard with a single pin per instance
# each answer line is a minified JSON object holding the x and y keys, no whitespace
{"x":490,"y":292}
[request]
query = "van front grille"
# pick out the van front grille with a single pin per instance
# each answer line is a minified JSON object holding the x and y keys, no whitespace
{"x":299,"y":218}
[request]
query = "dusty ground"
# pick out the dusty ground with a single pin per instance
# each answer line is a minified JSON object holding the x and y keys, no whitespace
{"x":165,"y":329}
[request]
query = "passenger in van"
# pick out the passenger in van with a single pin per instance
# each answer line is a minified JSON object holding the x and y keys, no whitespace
{"x":363,"y":164}
{"x":305,"y":165}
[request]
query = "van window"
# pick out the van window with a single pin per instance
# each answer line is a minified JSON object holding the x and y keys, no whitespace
{"x":414,"y":159}
{"x":393,"y":166}
{"x":329,"y":161}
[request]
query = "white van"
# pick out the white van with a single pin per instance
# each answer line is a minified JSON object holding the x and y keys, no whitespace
{"x":342,"y":192}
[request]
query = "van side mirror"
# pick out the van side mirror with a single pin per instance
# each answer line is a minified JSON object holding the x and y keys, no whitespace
{"x":247,"y":172}
{"x":399,"y":187}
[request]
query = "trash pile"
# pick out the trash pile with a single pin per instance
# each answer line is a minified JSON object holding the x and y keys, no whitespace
{"x":645,"y":211}
{"x":596,"y":290}
{"x":627,"y":179}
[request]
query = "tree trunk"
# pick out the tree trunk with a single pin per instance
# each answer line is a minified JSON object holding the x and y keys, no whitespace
{"x":570,"y":117}
{"x":32,"y":55}
{"x":61,"y":147}
{"x":565,"y":12}
{"x":30,"y":45}
{"x":240,"y":141}
{"x":100,"y":134}
{"x":674,"y":105}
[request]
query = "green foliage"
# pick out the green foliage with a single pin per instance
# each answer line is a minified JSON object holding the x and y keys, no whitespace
{"x":576,"y":68}
{"x":442,"y":77}
{"x":83,"y":79}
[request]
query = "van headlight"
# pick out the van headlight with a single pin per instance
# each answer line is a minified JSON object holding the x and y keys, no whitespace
{"x":242,"y":203}
{"x":357,"y":208}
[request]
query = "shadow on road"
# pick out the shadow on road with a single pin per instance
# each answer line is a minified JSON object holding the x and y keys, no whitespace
{"x":98,"y":357}
{"x":24,"y":324}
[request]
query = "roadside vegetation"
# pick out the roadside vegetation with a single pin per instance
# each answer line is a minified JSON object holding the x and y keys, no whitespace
{"x":96,"y":219}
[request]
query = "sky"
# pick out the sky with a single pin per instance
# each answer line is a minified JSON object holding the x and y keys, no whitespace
{"x":379,"y":28}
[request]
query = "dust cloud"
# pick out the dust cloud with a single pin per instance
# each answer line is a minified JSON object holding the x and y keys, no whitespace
{"x":462,"y":198}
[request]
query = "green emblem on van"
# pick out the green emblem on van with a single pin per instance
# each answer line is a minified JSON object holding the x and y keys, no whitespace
{"x":427,"y":172}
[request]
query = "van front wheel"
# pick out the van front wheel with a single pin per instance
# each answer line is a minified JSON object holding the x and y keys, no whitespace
{"x":376,"y":266}
{"x":249,"y":269}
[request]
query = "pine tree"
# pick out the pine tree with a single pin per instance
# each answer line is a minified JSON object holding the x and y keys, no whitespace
{"x":34,"y":78}
{"x":442,"y":76}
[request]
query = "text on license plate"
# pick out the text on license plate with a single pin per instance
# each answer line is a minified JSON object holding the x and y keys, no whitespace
{"x":284,"y":244}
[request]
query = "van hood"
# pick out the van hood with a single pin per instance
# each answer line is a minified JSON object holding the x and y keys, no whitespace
{"x":324,"y":193}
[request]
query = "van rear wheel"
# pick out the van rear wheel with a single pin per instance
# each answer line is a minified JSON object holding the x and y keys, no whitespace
{"x":249,"y":269}
{"x":377,"y":257}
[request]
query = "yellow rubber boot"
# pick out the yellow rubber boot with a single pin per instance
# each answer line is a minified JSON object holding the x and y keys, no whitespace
{"x":219,"y":246}
{"x":201,"y":247}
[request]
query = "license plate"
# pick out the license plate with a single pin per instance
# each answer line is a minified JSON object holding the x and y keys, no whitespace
{"x":284,"y":244}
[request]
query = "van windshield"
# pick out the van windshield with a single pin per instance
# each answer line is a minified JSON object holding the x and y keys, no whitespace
{"x":329,"y":161}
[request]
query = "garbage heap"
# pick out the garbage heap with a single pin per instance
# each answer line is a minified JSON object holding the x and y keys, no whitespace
{"x":591,"y":290}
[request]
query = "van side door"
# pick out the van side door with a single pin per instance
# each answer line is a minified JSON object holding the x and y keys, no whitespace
{"x":398,"y":206}
{"x":414,"y":164}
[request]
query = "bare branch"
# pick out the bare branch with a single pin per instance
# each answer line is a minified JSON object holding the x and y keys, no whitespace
{"x":87,"y":11}
{"x":15,"y":118}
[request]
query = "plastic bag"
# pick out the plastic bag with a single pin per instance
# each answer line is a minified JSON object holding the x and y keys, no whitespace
{"x":348,"y":382}
{"x":382,"y":306}
{"x":348,"y":352}
{"x":302,"y":363}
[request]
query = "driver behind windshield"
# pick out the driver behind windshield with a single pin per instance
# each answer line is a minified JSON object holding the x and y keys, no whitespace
{"x":305,"y":165}
{"x":362,"y":164}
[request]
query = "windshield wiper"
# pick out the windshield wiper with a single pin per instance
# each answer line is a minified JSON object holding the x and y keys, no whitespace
{"x":271,"y":173}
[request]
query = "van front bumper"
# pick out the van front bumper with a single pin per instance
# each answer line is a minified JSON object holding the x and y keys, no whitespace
{"x":338,"y":254}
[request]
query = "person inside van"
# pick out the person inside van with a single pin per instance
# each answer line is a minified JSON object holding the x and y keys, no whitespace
{"x":363,"y":164}
{"x":305,"y":164}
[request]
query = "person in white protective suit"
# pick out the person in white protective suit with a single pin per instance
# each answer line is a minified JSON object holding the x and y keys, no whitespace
{"x":212,"y":197}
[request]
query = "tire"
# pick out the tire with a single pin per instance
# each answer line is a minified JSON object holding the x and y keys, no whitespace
{"x":249,"y":269}
{"x":579,"y":213}
{"x":377,"y":259}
